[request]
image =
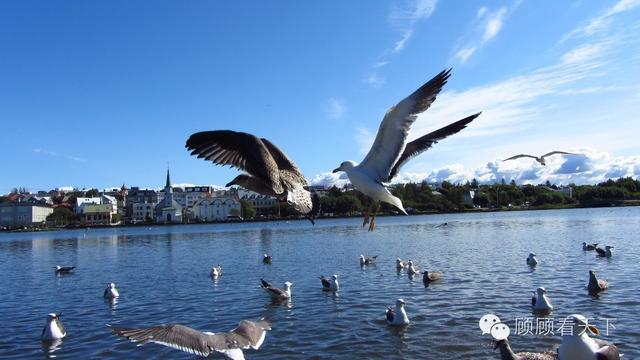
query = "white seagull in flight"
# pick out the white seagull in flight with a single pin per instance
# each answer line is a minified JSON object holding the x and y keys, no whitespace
{"x":540,"y":159}
{"x":390,"y":150}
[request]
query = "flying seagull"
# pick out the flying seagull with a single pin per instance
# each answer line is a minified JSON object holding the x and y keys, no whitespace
{"x":390,"y":151}
{"x":248,"y":334}
{"x":268,"y":170}
{"x":507,"y":354}
{"x":577,"y":345}
{"x":541,"y":158}
{"x":53,"y":330}
{"x":275,"y":293}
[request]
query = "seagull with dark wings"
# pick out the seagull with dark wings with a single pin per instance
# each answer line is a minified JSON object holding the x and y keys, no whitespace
{"x":540,"y":159}
{"x":268,"y":170}
{"x":390,"y":150}
{"x":247,"y":334}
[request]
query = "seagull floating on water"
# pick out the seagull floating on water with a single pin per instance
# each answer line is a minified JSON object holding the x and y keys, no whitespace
{"x":401,"y":265}
{"x":53,"y":330}
{"x":606,"y":252}
{"x":431,"y":276}
{"x":390,"y":150}
{"x":540,"y":159}
{"x":269,"y":170}
{"x":596,"y":285}
{"x":412,"y":270}
{"x":507,"y":354}
{"x":276,"y":293}
{"x":267,"y":259}
{"x":216,"y":271}
{"x":64,"y":269}
{"x":532,"y":260}
{"x":110,"y":292}
{"x":330,"y":284}
{"x":369,"y":260}
{"x":247,"y":334}
{"x":577,"y":345}
{"x":589,"y":247}
{"x":397,"y":317}
{"x":540,"y":302}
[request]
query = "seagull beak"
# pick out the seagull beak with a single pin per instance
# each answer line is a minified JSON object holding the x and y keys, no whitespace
{"x":594,"y":330}
{"x":336,"y":170}
{"x":230,"y":184}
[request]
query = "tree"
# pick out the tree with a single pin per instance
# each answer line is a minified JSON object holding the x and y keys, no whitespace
{"x":347,"y":204}
{"x":481,"y":199}
{"x":247,"y":209}
{"x":62,"y":216}
{"x":93,"y":193}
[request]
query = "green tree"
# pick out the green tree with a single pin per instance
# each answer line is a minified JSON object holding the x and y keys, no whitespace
{"x":247,"y":209}
{"x":62,"y":216}
{"x":93,"y":193}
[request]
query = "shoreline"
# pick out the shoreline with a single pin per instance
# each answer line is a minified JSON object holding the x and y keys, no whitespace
{"x":615,"y":204}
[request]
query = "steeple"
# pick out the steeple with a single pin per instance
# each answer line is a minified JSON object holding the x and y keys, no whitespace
{"x":168,"y":184}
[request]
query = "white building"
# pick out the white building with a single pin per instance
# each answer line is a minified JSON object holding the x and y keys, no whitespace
{"x":18,"y":214}
{"x":215,"y":209}
{"x":142,"y":212}
{"x":82,"y":202}
{"x":168,"y":209}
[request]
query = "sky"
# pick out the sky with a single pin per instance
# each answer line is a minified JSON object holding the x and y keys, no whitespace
{"x":101,"y":93}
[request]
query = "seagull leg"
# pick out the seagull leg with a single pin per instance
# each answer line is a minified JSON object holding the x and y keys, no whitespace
{"x":365,"y":221}
{"x":372,"y":225}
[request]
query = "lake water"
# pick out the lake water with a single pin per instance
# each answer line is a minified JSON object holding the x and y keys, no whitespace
{"x":163,"y":277}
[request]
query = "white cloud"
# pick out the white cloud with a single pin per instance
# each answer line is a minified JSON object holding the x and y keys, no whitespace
{"x":601,"y":21}
{"x":56,"y":154}
{"x":374,"y":80}
{"x":364,"y":139}
{"x":335,"y":109}
{"x":584,"y":53}
{"x":400,"y":43}
{"x":488,"y":24}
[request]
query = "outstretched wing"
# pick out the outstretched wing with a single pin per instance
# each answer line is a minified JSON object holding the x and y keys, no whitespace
{"x":285,"y":165}
{"x":394,"y":129}
{"x":521,"y":156}
{"x":557,"y":152}
{"x":251,"y":334}
{"x":425,"y":142}
{"x":237,"y":149}
{"x":176,"y":336}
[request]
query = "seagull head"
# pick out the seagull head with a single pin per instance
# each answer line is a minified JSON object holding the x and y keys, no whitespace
{"x":288,"y":285}
{"x":52,"y":316}
{"x":532,"y":255}
{"x":400,"y":303}
{"x":111,"y":285}
{"x":241,"y":180}
{"x":335,"y":276}
{"x":58,"y":267}
{"x":541,"y":290}
{"x":346,"y":165}
{"x":608,"y":247}
{"x":581,"y":325}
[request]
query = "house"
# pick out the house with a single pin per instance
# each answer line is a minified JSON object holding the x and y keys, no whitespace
{"x":135,"y":195}
{"x":215,"y":209}
{"x":168,"y":209}
{"x":96,"y":214}
{"x":143,"y":212}
{"x":13,"y":214}
{"x":82,"y":201}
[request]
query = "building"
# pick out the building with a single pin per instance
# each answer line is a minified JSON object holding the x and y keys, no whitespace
{"x":135,"y":195}
{"x":82,"y":202}
{"x":23,"y":214}
{"x":215,"y":209}
{"x":96,"y":214}
{"x":566,"y":190}
{"x":168,"y":209}
{"x":261,"y":203}
{"x":143,"y":212}
{"x":193,"y":194}
{"x":468,"y":197}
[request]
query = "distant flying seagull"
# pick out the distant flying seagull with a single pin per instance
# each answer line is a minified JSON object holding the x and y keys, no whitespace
{"x":276,"y":293}
{"x":110,"y":292}
{"x":64,"y":269}
{"x":539,"y":159}
{"x":269,"y":170}
{"x":507,"y":353}
{"x":390,"y":150}
{"x":397,"y":316}
{"x":578,"y":345}
{"x":53,"y":330}
{"x":247,"y":335}
{"x":330,"y":284}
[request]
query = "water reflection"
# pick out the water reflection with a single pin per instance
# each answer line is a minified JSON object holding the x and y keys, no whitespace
{"x":51,"y":346}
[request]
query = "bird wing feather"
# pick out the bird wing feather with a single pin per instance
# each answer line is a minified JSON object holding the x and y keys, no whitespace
{"x":520,"y":156}
{"x":395,"y":126}
{"x":557,"y":152}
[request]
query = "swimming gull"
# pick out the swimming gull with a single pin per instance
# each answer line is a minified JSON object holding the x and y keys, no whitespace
{"x":248,"y":334}
{"x":269,"y":170}
{"x":606,"y":252}
{"x":401,"y":265}
{"x":412,"y":269}
{"x":390,"y":150}
{"x":596,"y":285}
{"x":577,"y":345}
{"x":369,"y":260}
{"x":64,"y":269}
{"x":397,"y":316}
{"x":532,"y":260}
{"x":540,"y":302}
{"x":330,"y":284}
{"x":540,"y":159}
{"x":276,"y":293}
{"x":110,"y":292}
{"x":53,"y":330}
{"x":267,"y":259}
{"x":589,"y":247}
{"x":507,"y":354}
{"x":431,"y":276}
{"x":216,"y":271}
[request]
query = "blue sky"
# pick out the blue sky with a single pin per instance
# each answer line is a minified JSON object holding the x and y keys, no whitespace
{"x":94,"y":94}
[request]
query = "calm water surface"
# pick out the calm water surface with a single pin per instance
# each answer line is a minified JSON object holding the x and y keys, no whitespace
{"x":162,"y":274}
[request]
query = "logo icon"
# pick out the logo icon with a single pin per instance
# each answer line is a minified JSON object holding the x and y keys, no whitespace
{"x":491,"y":324}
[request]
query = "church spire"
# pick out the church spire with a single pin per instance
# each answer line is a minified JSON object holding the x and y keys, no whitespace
{"x":168,"y":184}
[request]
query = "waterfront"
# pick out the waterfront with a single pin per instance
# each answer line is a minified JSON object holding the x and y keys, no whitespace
{"x":162,"y":274}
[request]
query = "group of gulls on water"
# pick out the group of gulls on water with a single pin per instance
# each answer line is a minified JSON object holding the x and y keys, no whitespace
{"x":268,"y":171}
{"x":578,"y":345}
